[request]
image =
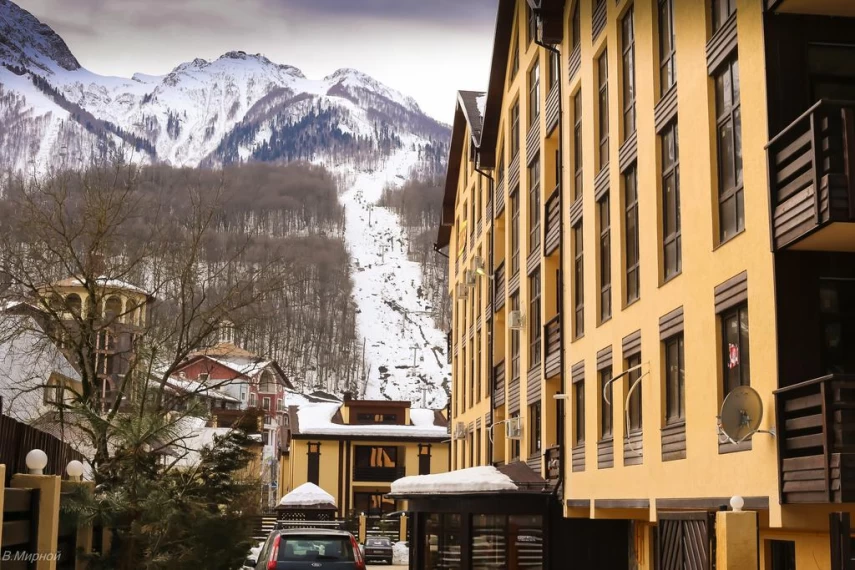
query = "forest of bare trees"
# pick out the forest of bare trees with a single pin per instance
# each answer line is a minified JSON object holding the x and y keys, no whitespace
{"x":418,"y":202}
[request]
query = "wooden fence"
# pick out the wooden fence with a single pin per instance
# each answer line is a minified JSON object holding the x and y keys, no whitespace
{"x":17,"y":439}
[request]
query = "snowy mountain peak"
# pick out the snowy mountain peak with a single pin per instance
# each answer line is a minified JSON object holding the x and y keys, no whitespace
{"x":349,"y":78}
{"x":27,"y":42}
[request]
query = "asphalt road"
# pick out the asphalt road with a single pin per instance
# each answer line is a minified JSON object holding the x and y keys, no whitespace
{"x":385,"y":567}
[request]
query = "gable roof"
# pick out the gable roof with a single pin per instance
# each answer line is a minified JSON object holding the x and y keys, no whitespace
{"x":325,"y":419}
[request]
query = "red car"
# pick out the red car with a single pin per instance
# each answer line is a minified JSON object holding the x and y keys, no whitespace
{"x":309,"y":549}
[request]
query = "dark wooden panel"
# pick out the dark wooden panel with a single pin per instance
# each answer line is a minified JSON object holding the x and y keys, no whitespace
{"x":532,"y":142}
{"x":712,"y":503}
{"x":578,"y":503}
{"x":601,"y":183}
{"x":553,"y":109}
{"x":500,"y":198}
{"x":574,"y":63}
{"x":552,"y":220}
{"x":598,"y":20}
{"x":514,"y":284}
{"x":514,"y":396}
{"x":671,"y":323}
{"x":577,"y":372}
{"x":633,"y":450}
{"x":628,"y":153}
{"x":499,"y":287}
{"x":605,"y":453}
{"x":535,"y":462}
{"x":16,"y":533}
{"x":514,"y":174}
{"x":722,"y":44}
{"x":578,"y":458}
{"x":552,"y":336}
{"x":674,"y":441}
{"x":499,"y":385}
{"x":17,"y":500}
{"x":532,"y":264}
{"x":621,"y":503}
{"x":604,"y":358}
{"x":666,"y":110}
{"x":532,"y":385}
{"x":576,"y":211}
{"x":732,"y":292}
{"x":631,"y":344}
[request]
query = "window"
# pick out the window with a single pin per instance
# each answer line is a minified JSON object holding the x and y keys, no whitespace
{"x":304,"y":551}
{"x":515,"y":58}
{"x":579,"y":280}
{"x":265,"y":403}
{"x":534,"y":444}
{"x":675,"y":410}
{"x":722,"y":10}
{"x":783,"y":555}
{"x":534,"y":94}
{"x":515,"y":231}
{"x":603,"y":78}
{"x":734,"y":330}
{"x":534,"y":205}
{"x":627,"y":26}
{"x":535,"y":328}
{"x":576,"y":26}
{"x":477,"y":447}
{"x":515,"y":341}
{"x":729,"y":128}
{"x":368,"y":418}
{"x":633,"y":258}
{"x":280,"y":405}
{"x":667,"y":60}
{"x":424,"y":459}
{"x":74,"y":304}
{"x":500,"y":169}
{"x":253,"y":400}
{"x":478,"y":366}
{"x":605,"y":258}
{"x":375,"y":457}
{"x":672,"y":242}
{"x":373,"y":504}
{"x":313,"y":467}
{"x":244,"y":391}
{"x":554,"y":69}
{"x":579,"y":412}
{"x":515,"y":443}
{"x":577,"y":145}
{"x":112,"y":309}
{"x":515,"y":130}
{"x":531,"y":18}
{"x":267,"y":383}
{"x":605,"y":407}
{"x":635,"y":405}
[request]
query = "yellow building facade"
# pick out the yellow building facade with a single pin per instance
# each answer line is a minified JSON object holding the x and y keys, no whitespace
{"x":354,"y":451}
{"x":648,"y":210}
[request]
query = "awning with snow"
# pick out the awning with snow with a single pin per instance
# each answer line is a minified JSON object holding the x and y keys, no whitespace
{"x":511,"y":478}
{"x":308,"y":495}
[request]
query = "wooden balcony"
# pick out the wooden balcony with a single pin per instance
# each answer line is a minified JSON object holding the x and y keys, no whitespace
{"x":381,"y":474}
{"x":499,"y":385}
{"x":499,"y":287}
{"x":553,"y":107}
{"x":552,"y":339}
{"x":553,"y":222}
{"x":812,"y":191}
{"x":500,"y":197}
{"x":816,"y":440}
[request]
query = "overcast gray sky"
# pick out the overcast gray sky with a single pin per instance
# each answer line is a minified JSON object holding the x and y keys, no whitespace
{"x":424,"y":48}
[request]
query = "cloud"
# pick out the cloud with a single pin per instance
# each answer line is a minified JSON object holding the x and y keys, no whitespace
{"x":450,"y":12}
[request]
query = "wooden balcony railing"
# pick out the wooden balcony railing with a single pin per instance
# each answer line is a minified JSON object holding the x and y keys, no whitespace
{"x":816,"y":440}
{"x":382,"y":474}
{"x":552,"y":339}
{"x":499,"y":287}
{"x":532,"y":139}
{"x":553,"y":105}
{"x":810,"y":182}
{"x":499,"y":385}
{"x":553,"y":222}
{"x":500,"y":197}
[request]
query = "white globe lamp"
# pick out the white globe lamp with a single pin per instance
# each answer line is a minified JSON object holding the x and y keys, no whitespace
{"x":736,"y":503}
{"x":36,"y":462}
{"x":74,"y":470}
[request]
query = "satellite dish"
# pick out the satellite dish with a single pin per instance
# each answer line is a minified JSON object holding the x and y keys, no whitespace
{"x":741,"y":414}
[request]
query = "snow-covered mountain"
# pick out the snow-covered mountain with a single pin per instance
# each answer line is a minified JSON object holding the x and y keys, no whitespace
{"x":242,"y":107}
{"x":238,"y":107}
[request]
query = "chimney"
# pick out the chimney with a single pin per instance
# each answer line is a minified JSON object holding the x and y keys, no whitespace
{"x":348,"y":396}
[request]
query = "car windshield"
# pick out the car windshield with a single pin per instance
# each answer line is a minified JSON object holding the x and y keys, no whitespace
{"x":377,"y":542}
{"x":308,"y":548}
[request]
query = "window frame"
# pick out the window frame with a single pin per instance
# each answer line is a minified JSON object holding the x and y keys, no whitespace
{"x":730,"y":117}
{"x":670,"y":165}
{"x":675,"y":384}
{"x":667,"y":55}
{"x":579,"y":412}
{"x":535,"y":326}
{"x":576,"y":27}
{"x":744,"y":372}
{"x":534,"y":94}
{"x":531,"y":24}
{"x":633,"y":262}
{"x":535,"y":440}
{"x":578,"y":280}
{"x":516,"y":341}
{"x":515,"y":231}
{"x":534,"y":205}
{"x":603,"y":109}
{"x":720,"y":12}
{"x":515,"y":129}
{"x":607,"y":421}
{"x":578,"y":145}
{"x":605,"y":245}
{"x":628,"y":68}
{"x":635,"y":406}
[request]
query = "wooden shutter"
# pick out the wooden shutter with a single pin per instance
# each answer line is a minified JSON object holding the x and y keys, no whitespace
{"x":686,"y":541}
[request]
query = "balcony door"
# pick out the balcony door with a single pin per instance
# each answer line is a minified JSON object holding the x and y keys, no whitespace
{"x":377,"y":463}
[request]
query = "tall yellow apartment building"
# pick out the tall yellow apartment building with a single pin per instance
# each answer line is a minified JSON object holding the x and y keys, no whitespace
{"x":651,"y":206}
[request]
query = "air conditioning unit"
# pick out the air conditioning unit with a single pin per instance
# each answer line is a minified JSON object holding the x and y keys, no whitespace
{"x":459,"y":430}
{"x":462,"y":292}
{"x":469,"y":278}
{"x":513,"y":428}
{"x":516,"y":320}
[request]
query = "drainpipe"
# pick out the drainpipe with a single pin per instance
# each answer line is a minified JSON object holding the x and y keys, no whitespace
{"x":489,"y":271}
{"x":560,"y":284}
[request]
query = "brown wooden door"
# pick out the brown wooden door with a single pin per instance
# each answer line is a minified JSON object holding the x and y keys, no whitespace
{"x":686,"y":541}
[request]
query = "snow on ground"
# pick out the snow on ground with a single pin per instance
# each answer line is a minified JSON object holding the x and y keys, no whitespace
{"x":400,"y":553}
{"x":471,"y":480}
{"x":307,"y":494}
{"x":394,"y":314}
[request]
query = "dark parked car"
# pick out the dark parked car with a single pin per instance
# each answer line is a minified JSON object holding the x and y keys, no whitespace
{"x":310,"y":549}
{"x":378,"y":550}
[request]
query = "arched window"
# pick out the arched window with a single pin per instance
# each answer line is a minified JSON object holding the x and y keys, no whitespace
{"x":112,"y":308}
{"x":74,"y":304}
{"x":268,"y":382}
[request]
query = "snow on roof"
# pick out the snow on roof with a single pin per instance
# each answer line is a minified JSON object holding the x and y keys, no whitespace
{"x":243,"y":366}
{"x":306,"y":495}
{"x":316,"y":419}
{"x":481,"y":101}
{"x":471,"y":480}
{"x":199,"y":389}
{"x":104,"y":282}
{"x":421,"y":417}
